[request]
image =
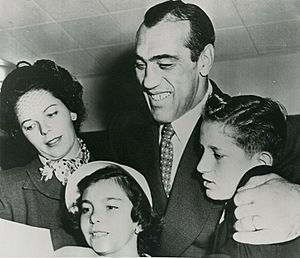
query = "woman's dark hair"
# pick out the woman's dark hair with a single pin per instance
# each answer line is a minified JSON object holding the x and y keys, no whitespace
{"x":42,"y":75}
{"x":256,"y":123}
{"x":201,"y":28}
{"x":141,"y":212}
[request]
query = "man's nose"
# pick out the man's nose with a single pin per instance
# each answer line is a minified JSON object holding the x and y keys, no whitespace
{"x":152,"y":78}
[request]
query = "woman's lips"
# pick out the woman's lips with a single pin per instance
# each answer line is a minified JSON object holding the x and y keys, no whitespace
{"x":53,"y":141}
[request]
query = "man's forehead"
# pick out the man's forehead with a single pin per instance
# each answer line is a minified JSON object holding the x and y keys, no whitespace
{"x":162,"y":38}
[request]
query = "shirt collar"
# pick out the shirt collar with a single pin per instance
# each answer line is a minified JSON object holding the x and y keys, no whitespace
{"x":184,"y":125}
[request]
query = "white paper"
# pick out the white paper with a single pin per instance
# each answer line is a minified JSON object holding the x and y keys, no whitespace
{"x":18,"y":239}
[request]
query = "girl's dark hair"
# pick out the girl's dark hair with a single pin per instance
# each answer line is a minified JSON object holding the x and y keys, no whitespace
{"x":141,"y":212}
{"x":258,"y":124}
{"x":42,"y":75}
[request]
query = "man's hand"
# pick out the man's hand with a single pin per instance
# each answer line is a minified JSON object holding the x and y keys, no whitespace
{"x":268,"y":211}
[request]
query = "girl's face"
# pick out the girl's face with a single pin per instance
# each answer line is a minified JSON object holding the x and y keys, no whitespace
{"x":106,"y":219}
{"x":46,"y":122}
{"x":223,"y":163}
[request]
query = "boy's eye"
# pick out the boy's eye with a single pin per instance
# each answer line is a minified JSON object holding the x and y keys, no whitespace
{"x":218,"y":156}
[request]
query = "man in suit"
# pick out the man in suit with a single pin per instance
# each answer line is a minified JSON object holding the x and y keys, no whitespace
{"x":174,"y":55}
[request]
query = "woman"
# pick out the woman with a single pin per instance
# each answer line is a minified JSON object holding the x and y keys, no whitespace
{"x":42,"y":103}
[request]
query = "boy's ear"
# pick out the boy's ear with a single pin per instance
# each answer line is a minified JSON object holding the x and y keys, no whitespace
{"x":265,"y":158}
{"x":206,"y":60}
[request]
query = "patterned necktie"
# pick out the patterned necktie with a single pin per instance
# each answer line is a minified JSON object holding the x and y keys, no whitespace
{"x":166,"y":156}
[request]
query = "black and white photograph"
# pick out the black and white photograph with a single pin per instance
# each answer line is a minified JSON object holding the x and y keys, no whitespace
{"x":150,"y":128}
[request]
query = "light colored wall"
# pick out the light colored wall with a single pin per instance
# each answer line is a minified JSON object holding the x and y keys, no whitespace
{"x":277,"y":77}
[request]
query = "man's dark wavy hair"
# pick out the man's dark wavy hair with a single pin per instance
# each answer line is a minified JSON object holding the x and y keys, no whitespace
{"x":201,"y":28}
{"x":141,"y":212}
{"x":256,"y":123}
{"x":42,"y":75}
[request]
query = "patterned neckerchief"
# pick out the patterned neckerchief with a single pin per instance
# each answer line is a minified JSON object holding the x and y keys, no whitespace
{"x":63,"y":168}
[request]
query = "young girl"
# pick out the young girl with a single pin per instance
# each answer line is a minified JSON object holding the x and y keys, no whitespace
{"x":242,"y":136}
{"x":113,"y":205}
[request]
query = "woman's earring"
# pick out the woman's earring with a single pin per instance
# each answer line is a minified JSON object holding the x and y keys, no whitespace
{"x":137,"y":231}
{"x":73,"y":116}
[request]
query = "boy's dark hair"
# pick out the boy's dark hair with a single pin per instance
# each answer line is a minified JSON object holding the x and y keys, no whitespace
{"x":201,"y":28}
{"x":141,"y":212}
{"x":42,"y":75}
{"x":256,"y":123}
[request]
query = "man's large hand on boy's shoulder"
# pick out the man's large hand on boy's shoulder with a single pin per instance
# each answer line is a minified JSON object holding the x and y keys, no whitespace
{"x":268,"y":210}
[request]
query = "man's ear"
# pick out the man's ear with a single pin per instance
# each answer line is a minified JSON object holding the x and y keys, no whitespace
{"x":206,"y":60}
{"x":265,"y":158}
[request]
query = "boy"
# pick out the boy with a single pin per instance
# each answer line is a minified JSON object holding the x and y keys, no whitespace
{"x":242,"y":136}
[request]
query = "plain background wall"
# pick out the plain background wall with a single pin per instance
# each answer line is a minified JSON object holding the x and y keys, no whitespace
{"x":277,"y":77}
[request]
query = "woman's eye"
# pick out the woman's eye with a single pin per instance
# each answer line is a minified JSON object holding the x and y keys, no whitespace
{"x":52,"y":114}
{"x":29,"y":127}
{"x":111,"y":207}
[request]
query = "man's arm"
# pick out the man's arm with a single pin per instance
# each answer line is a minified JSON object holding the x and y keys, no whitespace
{"x":268,"y":211}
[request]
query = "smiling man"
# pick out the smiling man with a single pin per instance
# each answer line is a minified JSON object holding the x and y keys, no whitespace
{"x":174,"y":55}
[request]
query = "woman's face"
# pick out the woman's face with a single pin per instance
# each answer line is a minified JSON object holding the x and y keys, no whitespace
{"x":46,"y":122}
{"x":106,"y":221}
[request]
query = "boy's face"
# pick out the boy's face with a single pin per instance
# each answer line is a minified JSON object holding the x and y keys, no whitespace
{"x":106,"y":219}
{"x":223,"y":163}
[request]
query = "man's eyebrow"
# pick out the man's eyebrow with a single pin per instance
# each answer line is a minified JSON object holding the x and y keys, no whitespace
{"x":158,"y":57}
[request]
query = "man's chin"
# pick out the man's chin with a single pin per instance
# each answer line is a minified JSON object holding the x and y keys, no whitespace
{"x":162,"y":119}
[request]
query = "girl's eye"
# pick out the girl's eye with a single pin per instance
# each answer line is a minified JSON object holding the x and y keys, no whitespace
{"x":84,"y":210}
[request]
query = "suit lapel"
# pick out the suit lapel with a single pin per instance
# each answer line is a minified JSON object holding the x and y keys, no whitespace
{"x":144,"y":156}
{"x":52,"y":188}
{"x":181,"y":229}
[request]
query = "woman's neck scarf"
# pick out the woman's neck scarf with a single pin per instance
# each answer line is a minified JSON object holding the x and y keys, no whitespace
{"x":63,"y":168}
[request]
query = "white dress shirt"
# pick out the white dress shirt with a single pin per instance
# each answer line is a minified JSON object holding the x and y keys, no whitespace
{"x":183,"y":128}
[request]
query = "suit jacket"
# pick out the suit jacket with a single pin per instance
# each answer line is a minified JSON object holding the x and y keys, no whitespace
{"x":24,"y":198}
{"x":189,"y":216}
